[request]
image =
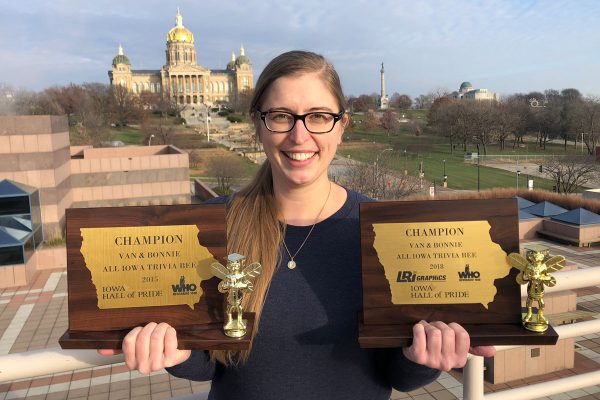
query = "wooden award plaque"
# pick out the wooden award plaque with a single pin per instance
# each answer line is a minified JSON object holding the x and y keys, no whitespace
{"x":442,"y":260}
{"x":128,"y":266}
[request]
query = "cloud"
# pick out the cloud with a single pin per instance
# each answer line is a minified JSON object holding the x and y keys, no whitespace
{"x":502,"y":45}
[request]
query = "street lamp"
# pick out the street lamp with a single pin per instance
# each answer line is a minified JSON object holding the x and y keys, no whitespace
{"x":150,"y":140}
{"x":445,"y":176}
{"x":207,"y":126}
{"x":478,"y":167}
{"x":518,"y":173}
{"x":405,"y":157}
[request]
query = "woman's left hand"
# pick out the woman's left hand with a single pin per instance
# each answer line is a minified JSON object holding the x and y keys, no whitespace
{"x":442,"y":346}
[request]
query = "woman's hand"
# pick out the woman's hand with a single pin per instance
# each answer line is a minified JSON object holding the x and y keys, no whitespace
{"x":151,"y":348}
{"x":440,"y":346}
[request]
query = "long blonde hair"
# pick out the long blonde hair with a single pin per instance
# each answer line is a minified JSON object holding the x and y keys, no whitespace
{"x":253,"y":225}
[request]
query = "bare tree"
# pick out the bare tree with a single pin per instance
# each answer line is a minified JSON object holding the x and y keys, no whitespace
{"x":226,"y":171}
{"x":370,"y":121}
{"x":401,"y":101}
{"x":362,"y":103}
{"x":571,"y":173}
{"x":589,"y":117}
{"x":242,"y":101}
{"x":195,"y":158}
{"x":378,"y":181}
{"x":125,"y":106}
{"x":390,"y":123}
{"x":158,"y":133}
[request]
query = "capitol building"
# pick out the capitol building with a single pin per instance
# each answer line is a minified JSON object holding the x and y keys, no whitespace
{"x":467,"y":92}
{"x":182,"y":79}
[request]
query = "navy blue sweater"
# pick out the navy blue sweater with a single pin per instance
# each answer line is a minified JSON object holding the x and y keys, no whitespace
{"x":307,"y":342}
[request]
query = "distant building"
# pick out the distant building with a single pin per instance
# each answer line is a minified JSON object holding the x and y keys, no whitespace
{"x":41,"y":175}
{"x":467,"y":92}
{"x":384,"y":101}
{"x":182,"y":79}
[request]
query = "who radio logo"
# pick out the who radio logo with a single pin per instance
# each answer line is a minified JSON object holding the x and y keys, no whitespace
{"x":184,"y":288}
{"x":468,"y":275}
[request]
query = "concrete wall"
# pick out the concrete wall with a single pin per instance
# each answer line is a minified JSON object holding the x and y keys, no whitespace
{"x":528,"y":228}
{"x":130,"y":176}
{"x":34,"y":150}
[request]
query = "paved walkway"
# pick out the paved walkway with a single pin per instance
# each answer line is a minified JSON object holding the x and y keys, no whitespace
{"x":34,"y":317}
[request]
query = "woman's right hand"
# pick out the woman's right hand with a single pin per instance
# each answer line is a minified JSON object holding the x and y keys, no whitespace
{"x":151,"y":348}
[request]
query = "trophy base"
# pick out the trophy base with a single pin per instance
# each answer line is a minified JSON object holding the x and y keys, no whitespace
{"x":206,"y":337}
{"x":236,"y":329}
{"x":373,"y":336}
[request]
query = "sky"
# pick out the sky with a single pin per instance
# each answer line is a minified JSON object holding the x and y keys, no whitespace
{"x":504,"y":46}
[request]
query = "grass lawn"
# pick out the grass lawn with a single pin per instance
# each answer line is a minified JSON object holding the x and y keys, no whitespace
{"x":409,"y":151}
{"x":128,"y":135}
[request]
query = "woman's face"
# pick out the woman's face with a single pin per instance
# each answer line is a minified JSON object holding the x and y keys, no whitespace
{"x":298,"y":157}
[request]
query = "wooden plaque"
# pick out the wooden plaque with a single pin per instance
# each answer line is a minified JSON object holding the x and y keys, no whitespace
{"x":442,"y":261}
{"x":128,"y":266}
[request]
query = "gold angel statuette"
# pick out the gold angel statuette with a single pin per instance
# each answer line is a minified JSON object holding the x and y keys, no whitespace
{"x":235,"y":281}
{"x":535,"y":271}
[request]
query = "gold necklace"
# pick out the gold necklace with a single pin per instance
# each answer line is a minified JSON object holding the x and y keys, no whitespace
{"x":292,"y":264}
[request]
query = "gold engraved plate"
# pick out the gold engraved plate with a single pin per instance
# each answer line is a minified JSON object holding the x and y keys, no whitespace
{"x":146,"y":266}
{"x":440,"y":262}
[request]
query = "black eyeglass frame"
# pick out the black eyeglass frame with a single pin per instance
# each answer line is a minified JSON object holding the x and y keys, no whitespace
{"x":302,"y":117}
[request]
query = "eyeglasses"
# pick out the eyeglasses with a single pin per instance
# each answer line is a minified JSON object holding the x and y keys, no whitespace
{"x":314,"y":122}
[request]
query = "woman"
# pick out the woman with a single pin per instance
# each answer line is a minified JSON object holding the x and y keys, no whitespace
{"x":304,"y":230}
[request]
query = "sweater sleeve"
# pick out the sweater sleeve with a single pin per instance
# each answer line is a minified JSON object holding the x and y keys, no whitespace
{"x":403,"y":374}
{"x":196,"y":368}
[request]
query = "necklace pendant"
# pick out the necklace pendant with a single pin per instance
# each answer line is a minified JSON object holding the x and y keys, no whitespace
{"x":291,"y":264}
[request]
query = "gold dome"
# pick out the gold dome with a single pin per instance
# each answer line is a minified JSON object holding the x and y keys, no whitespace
{"x":179,"y":33}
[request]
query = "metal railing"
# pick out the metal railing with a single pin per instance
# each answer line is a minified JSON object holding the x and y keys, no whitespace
{"x":473,"y":387}
{"x":32,"y":364}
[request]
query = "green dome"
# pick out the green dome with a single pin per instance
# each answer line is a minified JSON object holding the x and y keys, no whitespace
{"x":231,"y":65}
{"x":466,"y":85}
{"x":120,"y":59}
{"x":242,"y":60}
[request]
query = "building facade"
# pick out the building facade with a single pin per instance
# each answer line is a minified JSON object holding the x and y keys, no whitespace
{"x":41,"y":175}
{"x":467,"y":92}
{"x":182,"y":79}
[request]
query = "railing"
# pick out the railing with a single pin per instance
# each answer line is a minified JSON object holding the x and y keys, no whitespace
{"x":473,"y":388}
{"x":50,"y":361}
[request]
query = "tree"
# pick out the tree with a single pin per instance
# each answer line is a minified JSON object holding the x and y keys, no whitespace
{"x":125,"y":107}
{"x":390,"y":123}
{"x":570,"y":173}
{"x":226,"y":171}
{"x":378,"y":181}
{"x":195,"y":158}
{"x":156,"y":134}
{"x":242,"y":101}
{"x":588,"y":118}
{"x":362,"y":103}
{"x":370,"y":121}
{"x":401,"y":101}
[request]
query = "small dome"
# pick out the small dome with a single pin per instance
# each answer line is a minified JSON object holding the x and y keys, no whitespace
{"x":466,"y":86}
{"x":179,"y":33}
{"x":243,"y":58}
{"x":231,"y":64}
{"x":120,"y":58}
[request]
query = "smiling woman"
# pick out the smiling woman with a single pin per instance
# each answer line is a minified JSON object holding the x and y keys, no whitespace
{"x":292,"y":215}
